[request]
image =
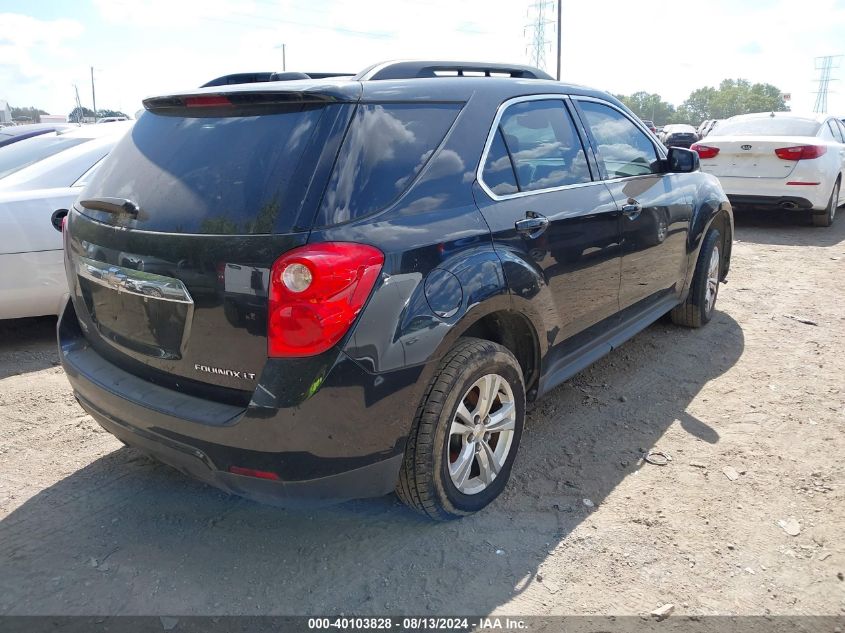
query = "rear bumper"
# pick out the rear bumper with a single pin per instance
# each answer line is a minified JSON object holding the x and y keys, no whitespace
{"x":790,"y":203}
{"x":339,"y":444}
{"x":368,"y":481}
{"x":775,"y":193}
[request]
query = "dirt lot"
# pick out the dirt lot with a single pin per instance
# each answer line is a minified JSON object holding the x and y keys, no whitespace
{"x":89,"y":527}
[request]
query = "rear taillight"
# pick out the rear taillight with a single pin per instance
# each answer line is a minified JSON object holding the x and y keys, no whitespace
{"x":705,"y":151}
{"x":209,"y":101}
{"x":316,"y":292}
{"x":800,"y":152}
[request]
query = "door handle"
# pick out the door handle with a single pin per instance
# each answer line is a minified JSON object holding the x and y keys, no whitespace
{"x":532,"y":225}
{"x":632,"y":209}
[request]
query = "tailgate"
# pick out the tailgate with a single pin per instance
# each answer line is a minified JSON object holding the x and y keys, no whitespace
{"x":171,"y":244}
{"x":752,"y":157}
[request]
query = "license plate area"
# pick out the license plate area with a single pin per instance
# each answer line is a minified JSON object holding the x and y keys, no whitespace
{"x":142,"y":312}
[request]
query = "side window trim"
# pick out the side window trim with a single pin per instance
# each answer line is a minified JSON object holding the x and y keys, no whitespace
{"x":496,"y":129}
{"x":658,"y":150}
{"x":593,"y":162}
{"x":501,"y":134}
{"x":590,"y":139}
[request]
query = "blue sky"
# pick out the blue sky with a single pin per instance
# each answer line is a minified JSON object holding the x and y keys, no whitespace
{"x":144,"y":47}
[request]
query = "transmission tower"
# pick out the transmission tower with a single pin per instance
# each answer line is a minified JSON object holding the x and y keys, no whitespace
{"x":825,"y":65}
{"x":539,"y":15}
{"x":79,"y":112}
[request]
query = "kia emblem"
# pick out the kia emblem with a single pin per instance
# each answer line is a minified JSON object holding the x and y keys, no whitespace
{"x":746,"y":147}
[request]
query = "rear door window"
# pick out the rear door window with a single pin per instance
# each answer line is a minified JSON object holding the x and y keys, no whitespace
{"x":385,"y":148}
{"x":196,"y":173}
{"x":544,"y":144}
{"x":622,"y":147}
{"x":835,"y":134}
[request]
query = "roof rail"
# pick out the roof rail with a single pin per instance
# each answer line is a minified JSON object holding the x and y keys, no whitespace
{"x":421,"y":69}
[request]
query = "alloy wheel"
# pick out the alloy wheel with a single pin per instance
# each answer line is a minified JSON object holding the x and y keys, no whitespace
{"x":712,"y":280}
{"x":481,"y":434}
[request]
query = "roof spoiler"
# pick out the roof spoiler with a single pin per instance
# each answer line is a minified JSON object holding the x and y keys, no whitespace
{"x":259,"y":77}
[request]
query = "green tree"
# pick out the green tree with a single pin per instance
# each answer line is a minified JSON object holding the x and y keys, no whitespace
{"x":78,"y":114}
{"x":732,"y":97}
{"x":31,"y":112}
{"x":649,"y":106}
{"x":105,"y":113}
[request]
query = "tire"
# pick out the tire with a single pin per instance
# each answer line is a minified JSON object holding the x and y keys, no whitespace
{"x":826,"y":218}
{"x":696,"y":311}
{"x":435,"y":450}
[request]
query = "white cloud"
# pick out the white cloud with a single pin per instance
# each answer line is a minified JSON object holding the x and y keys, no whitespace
{"x":26,"y":43}
{"x":668,"y":47}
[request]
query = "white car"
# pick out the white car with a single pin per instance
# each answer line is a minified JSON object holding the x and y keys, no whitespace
{"x":779,"y":160}
{"x":39,"y":176}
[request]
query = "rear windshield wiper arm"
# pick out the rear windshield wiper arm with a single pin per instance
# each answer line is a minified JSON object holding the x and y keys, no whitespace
{"x":117,"y":206}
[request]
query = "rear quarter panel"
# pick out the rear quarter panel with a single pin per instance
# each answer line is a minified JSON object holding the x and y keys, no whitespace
{"x":709,"y":200}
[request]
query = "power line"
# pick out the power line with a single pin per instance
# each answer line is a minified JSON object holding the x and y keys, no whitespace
{"x":537,"y":26}
{"x":825,"y":65}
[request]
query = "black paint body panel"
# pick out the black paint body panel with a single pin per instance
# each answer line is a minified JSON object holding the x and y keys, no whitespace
{"x":452,"y":259}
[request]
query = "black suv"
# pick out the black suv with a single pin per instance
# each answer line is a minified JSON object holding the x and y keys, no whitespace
{"x":329,"y":289}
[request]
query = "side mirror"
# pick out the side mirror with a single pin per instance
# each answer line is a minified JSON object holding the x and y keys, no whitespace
{"x":58,"y":219}
{"x":682,"y":161}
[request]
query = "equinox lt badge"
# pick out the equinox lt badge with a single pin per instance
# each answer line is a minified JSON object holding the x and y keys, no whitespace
{"x":225,"y":372}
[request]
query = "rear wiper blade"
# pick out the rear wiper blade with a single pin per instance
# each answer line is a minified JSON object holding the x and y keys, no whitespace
{"x":112,"y":205}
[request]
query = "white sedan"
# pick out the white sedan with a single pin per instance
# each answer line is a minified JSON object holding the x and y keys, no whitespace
{"x":779,"y":160}
{"x":39,"y":176}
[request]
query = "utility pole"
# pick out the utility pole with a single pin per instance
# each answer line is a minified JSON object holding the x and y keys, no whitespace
{"x":93,"y":94}
{"x":284,"y":60}
{"x":824,"y":65}
{"x":559,"y":52}
{"x":538,"y":42}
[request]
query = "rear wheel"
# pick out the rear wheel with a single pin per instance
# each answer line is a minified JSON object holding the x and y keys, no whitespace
{"x":826,"y":218}
{"x":698,"y":308}
{"x":466,"y":432}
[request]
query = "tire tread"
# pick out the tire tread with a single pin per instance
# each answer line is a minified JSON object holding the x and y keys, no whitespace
{"x":416,"y":484}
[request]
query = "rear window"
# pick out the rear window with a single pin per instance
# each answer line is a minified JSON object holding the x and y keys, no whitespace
{"x":214,"y":174}
{"x":385,"y":148}
{"x":24,"y":153}
{"x":767,"y":126}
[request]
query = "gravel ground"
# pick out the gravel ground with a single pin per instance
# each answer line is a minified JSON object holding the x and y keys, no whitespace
{"x":746,"y":518}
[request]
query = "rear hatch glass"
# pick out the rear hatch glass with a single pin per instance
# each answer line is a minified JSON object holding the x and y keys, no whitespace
{"x":216,"y":198}
{"x":213,"y":174}
{"x":768,"y":126}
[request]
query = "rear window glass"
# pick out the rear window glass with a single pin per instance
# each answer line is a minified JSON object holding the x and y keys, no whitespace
{"x":24,"y":153}
{"x":768,"y":126}
{"x":386,"y":146}
{"x":213,"y":174}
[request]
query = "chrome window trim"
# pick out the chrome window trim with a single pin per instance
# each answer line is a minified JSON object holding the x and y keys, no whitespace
{"x":492,"y":133}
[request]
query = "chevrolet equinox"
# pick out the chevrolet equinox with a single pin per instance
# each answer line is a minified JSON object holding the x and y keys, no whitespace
{"x":325,"y":289}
